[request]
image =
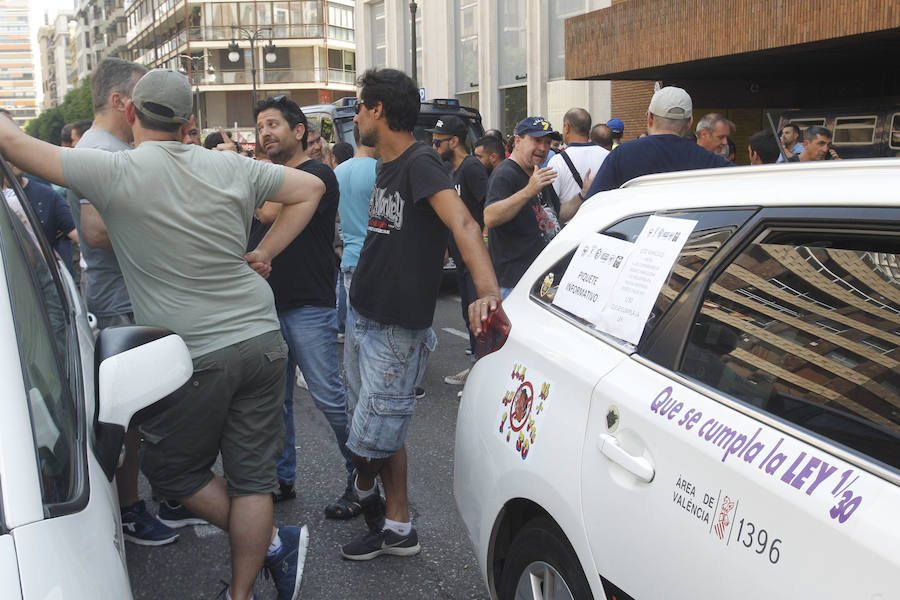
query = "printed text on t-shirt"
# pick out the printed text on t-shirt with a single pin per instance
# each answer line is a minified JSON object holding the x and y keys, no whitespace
{"x":385,"y":211}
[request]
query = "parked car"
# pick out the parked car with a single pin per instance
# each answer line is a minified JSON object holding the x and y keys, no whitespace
{"x":699,"y":395}
{"x":335,"y":121}
{"x":858,"y":132}
{"x":67,"y":402}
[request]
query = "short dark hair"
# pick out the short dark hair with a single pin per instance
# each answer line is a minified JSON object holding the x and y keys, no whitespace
{"x":81,"y":126}
{"x":289,"y":110}
{"x":816,"y":130}
{"x":764,"y":144}
{"x":65,"y":134}
{"x":397,"y":93}
{"x":153,"y":124}
{"x":579,"y":120}
{"x":602,"y":135}
{"x":342,"y":151}
{"x":214,"y":139}
{"x":793,"y":126}
{"x":495,"y":133}
{"x":491,"y":145}
{"x":113,"y":75}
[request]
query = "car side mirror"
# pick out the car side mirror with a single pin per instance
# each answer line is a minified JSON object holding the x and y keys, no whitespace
{"x":137,"y":368}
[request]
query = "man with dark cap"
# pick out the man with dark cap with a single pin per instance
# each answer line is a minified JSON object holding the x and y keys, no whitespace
{"x":617,"y":127}
{"x":178,"y":217}
{"x":470,"y":178}
{"x":522,"y":210}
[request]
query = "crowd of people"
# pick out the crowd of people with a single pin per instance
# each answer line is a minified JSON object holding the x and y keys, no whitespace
{"x":264,"y":265}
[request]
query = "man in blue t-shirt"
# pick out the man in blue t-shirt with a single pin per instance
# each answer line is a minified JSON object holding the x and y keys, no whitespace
{"x":356,"y":178}
{"x":669,"y":117}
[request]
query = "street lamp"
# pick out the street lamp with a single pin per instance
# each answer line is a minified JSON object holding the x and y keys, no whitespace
{"x":189,"y":67}
{"x":253,"y":36}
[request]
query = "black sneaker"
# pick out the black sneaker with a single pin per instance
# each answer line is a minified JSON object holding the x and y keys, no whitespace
{"x":140,"y":527}
{"x":286,"y":491}
{"x":420,"y":392}
{"x":386,"y":541}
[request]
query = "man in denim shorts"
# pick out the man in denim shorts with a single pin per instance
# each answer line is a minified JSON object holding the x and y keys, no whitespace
{"x":392,"y":300}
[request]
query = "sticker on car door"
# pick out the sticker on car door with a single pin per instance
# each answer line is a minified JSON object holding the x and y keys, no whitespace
{"x":522,"y":408}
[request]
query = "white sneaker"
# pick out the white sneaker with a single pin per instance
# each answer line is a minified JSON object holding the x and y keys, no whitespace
{"x":301,"y":381}
{"x":459,"y":378}
{"x":340,"y":338}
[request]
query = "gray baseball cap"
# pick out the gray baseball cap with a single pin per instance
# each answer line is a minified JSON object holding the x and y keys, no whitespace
{"x":164,"y":95}
{"x":671,"y":102}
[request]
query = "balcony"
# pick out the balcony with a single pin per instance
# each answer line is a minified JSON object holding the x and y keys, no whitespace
{"x":277,"y":76}
{"x":215,"y":33}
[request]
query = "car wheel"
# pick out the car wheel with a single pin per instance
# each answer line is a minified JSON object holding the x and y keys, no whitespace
{"x":541,"y":565}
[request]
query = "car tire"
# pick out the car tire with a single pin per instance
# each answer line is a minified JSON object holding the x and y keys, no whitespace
{"x":540,"y":552}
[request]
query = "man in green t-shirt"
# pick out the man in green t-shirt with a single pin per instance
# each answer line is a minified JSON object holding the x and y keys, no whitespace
{"x":178,"y":218}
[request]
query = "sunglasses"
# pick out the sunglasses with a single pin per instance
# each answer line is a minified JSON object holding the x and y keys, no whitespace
{"x":437,"y":143}
{"x":359,"y":104}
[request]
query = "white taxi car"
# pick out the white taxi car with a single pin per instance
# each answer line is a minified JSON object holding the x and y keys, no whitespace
{"x":65,"y":409}
{"x":699,"y":396}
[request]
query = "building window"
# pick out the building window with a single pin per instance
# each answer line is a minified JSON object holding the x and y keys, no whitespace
{"x":340,"y":22}
{"x":379,"y":35}
{"x":559,"y":11}
{"x":341,"y":66}
{"x":466,"y":47}
{"x":511,"y":44}
{"x":514,"y":104}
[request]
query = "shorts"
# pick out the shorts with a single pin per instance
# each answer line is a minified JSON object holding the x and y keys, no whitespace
{"x":231,"y":405}
{"x":383,"y":363}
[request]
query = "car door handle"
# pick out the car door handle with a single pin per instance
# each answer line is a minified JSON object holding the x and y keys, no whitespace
{"x":637,"y":465}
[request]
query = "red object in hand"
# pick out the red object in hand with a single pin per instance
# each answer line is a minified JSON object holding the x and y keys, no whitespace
{"x":493,"y":334}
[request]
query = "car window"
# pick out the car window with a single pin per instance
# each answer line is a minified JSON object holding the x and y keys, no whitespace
{"x":43,"y":329}
{"x":806,"y":326}
{"x":895,"y":131}
{"x":712,"y":230}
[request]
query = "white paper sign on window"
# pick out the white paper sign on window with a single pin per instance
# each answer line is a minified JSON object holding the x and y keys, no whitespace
{"x":641,"y":278}
{"x":591,"y":275}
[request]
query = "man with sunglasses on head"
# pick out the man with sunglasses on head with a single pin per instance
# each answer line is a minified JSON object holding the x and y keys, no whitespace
{"x":392,"y":301}
{"x":470,"y":178}
{"x":302,"y":280}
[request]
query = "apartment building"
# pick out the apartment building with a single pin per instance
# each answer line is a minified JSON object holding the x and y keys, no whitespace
{"x":305,"y":49}
{"x":503,"y":57}
{"x":18,"y":90}
{"x":100,"y":33}
{"x":56,"y":42}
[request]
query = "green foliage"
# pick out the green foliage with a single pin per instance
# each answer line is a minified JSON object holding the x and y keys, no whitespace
{"x":76,"y":105}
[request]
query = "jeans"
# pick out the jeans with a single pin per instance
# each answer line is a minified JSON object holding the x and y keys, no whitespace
{"x":346,"y":277}
{"x":341,"y":295}
{"x":310,"y":332}
{"x":384,"y":363}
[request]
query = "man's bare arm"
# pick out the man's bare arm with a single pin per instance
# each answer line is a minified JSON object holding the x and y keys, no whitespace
{"x":451,"y":210}
{"x":31,"y":154}
{"x":568,"y":209}
{"x":300,"y":194}
{"x":503,"y":211}
{"x":93,"y":229}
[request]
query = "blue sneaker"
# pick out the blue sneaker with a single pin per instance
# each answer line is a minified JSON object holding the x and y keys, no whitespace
{"x":177,"y":515}
{"x":286,"y":567}
{"x":140,"y":527}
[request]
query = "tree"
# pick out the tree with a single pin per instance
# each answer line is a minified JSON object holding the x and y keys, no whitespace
{"x":77,"y":105}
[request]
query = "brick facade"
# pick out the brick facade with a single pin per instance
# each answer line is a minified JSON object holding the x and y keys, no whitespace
{"x":642,"y":34}
{"x":630,"y":100}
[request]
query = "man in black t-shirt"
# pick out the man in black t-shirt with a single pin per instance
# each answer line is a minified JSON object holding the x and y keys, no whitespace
{"x":392,"y":302}
{"x":470,"y":179}
{"x":522,"y":210}
{"x":303,"y":282}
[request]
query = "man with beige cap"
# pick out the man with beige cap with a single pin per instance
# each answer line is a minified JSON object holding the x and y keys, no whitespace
{"x":178,"y":218}
{"x":669,"y":117}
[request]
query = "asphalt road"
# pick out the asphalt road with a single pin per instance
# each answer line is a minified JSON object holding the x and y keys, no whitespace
{"x":192,"y":567}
